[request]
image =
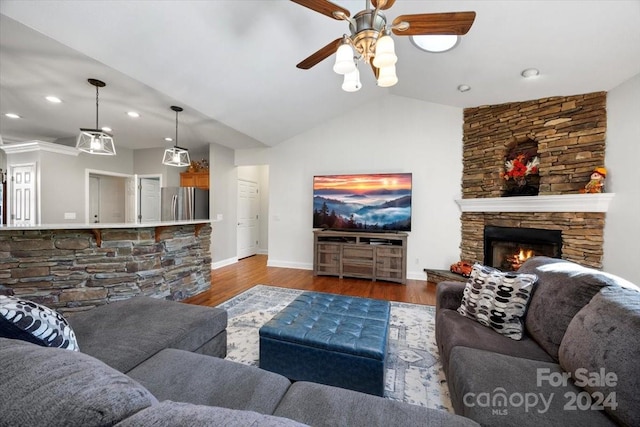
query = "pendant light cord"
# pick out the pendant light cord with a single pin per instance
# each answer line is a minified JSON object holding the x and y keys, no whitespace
{"x":97,"y":108}
{"x":176,"y":143}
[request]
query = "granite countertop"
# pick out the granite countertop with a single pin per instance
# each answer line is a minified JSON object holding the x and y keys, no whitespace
{"x":94,"y":226}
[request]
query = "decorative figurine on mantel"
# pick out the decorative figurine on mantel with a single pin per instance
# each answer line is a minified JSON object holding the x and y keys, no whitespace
{"x":596,"y":184}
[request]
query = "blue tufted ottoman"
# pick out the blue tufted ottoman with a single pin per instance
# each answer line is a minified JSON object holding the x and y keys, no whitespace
{"x":330,"y":339}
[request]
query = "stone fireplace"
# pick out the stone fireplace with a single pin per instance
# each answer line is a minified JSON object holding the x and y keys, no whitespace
{"x":570,"y":137}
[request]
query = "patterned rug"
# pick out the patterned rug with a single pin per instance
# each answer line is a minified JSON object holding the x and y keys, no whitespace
{"x":414,"y":372}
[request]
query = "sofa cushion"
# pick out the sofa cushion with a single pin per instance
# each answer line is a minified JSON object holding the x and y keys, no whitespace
{"x":43,"y":386}
{"x":125,"y":333}
{"x":453,"y":330}
{"x":178,"y":375}
{"x":321,"y":405}
{"x":29,"y":321}
{"x":171,"y":414}
{"x":601,"y":350}
{"x":504,"y":391}
{"x":563,"y":289}
{"x":497,"y":300}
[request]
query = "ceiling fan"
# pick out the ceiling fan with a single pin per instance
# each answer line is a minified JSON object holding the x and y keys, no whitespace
{"x":370,"y":39}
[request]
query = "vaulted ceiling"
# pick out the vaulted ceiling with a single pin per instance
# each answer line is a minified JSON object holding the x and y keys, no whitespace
{"x":232,"y":64}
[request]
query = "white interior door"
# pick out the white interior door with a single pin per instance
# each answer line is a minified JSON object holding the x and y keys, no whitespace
{"x":149,"y":199}
{"x":248,"y":208}
{"x":23,"y":194}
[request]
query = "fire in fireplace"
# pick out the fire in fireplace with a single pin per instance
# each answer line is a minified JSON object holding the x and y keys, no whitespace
{"x":506,"y":248}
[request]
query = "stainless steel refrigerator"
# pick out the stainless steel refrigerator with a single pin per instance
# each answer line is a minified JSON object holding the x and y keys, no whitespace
{"x":180,"y":203}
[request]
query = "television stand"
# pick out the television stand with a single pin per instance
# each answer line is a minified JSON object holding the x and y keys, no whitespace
{"x":366,"y":255}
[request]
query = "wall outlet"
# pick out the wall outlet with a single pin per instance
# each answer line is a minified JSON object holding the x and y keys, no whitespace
{"x":219,"y":217}
{"x":69,"y":215}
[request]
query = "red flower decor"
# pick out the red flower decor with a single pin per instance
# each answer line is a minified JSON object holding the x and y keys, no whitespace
{"x":520,"y":167}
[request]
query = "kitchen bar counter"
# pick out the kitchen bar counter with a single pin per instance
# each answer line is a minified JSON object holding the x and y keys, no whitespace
{"x":99,"y":225}
{"x":74,"y":267}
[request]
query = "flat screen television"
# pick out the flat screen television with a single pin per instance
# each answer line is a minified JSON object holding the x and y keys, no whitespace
{"x":362,"y":202}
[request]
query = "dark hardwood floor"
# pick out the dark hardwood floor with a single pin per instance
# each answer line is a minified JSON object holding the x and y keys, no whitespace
{"x":229,"y":281}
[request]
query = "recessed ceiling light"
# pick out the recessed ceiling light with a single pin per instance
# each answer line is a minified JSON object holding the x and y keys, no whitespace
{"x":435,"y":43}
{"x":13,"y":116}
{"x":133,"y":114}
{"x":53,"y":99}
{"x":464,"y":88}
{"x":168,"y":139}
{"x":106,"y":129}
{"x":530,"y":72}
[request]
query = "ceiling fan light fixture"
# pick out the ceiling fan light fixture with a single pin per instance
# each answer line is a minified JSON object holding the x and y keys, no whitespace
{"x":387,"y":76}
{"x":385,"y":52}
{"x":96,"y":141}
{"x":435,"y":43}
{"x":344,"y":59}
{"x":351,"y":81}
{"x":176,"y":156}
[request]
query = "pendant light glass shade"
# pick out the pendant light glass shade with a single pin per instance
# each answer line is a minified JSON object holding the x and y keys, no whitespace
{"x":95,"y":141}
{"x":352,"y":81}
{"x":387,"y":76}
{"x":176,"y":156}
{"x":385,"y":52}
{"x":344,"y":60}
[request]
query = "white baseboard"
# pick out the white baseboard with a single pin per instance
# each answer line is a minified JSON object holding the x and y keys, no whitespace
{"x":417,"y":275}
{"x":224,"y":263}
{"x":288,"y":264}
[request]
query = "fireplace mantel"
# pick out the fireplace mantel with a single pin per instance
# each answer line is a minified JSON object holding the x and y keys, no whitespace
{"x":553,"y":203}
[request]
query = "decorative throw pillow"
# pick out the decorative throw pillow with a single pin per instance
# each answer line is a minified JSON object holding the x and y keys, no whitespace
{"x":28,"y":321}
{"x":497,"y":299}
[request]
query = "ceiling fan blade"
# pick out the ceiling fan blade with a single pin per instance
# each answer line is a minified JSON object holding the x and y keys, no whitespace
{"x":324,"y":7}
{"x":457,"y":23}
{"x":320,"y":55}
{"x":382,"y":4}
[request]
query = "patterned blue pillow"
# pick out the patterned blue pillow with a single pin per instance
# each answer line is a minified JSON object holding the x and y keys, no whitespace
{"x":498,"y":300}
{"x":28,"y":321}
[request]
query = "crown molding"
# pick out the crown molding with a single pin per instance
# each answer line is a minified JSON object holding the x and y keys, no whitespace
{"x":32,"y":146}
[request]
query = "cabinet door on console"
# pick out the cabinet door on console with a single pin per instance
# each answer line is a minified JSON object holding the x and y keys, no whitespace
{"x":389,"y":263}
{"x":328,"y":258}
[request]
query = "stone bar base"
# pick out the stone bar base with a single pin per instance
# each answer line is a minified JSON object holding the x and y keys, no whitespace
{"x":72,"y":270}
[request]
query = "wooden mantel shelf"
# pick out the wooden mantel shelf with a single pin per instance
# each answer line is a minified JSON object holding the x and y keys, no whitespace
{"x":554,"y":203}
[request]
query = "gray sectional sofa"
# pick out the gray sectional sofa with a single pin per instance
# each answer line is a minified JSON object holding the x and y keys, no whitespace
{"x":148,"y":362}
{"x":576,"y":365}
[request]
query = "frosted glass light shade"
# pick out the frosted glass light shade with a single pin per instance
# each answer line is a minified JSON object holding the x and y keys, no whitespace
{"x":176,"y":156}
{"x":95,"y":141}
{"x":344,"y":60}
{"x":387,"y":76}
{"x":385,"y":52}
{"x":351,"y":81}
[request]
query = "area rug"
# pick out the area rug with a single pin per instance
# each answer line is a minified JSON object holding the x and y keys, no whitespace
{"x":414,"y":372}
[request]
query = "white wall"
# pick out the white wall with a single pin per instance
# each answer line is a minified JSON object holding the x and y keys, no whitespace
{"x":223,"y":194}
{"x":622,"y":225}
{"x":392,"y":134}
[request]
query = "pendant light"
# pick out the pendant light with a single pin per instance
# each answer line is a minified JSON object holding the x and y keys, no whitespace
{"x":176,"y":156}
{"x":95,"y":141}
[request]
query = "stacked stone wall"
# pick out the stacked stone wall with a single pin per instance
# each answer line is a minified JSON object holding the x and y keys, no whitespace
{"x":570,"y":132}
{"x":72,"y":270}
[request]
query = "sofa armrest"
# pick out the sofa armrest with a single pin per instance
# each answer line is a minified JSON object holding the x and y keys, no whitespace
{"x":449,"y":295}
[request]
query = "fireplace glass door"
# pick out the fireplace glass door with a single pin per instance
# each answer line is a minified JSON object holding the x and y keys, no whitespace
{"x":506,"y":248}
